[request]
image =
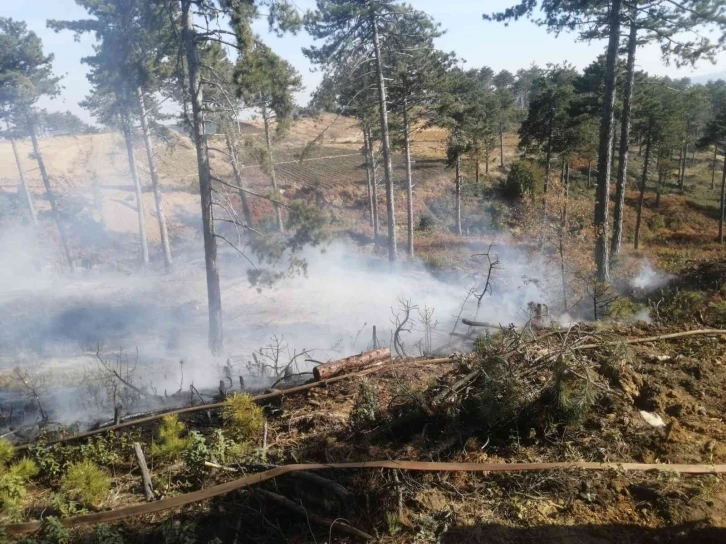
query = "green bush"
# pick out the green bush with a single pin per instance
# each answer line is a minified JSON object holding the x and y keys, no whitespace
{"x":623,"y":308}
{"x":426,"y":223}
{"x":13,"y":478}
{"x":681,"y":306}
{"x":242,"y":417}
{"x":675,"y":221}
{"x":366,"y":408}
{"x":86,"y":482}
{"x":656,"y":222}
{"x":518,"y":182}
{"x":169,"y":443}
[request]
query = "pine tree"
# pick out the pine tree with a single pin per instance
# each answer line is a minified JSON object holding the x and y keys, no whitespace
{"x":715,"y":134}
{"x":596,"y":18}
{"x":266,"y":83}
{"x":417,"y":81}
{"x":26,"y":74}
{"x":353,"y":32}
{"x":129,"y":65}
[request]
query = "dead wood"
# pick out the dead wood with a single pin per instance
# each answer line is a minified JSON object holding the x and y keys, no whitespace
{"x":350,"y":364}
{"x":258,"y":398}
{"x":471,"y":323}
{"x":457,"y":386}
{"x":145,"y":476}
{"x":254,"y":479}
{"x":331,"y":524}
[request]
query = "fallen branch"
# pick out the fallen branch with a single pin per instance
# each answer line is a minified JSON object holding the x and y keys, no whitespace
{"x":258,"y":398}
{"x":471,"y":323}
{"x":255,"y":479}
{"x":352,"y":363}
{"x":315,"y":518}
{"x":699,"y":332}
{"x":145,"y":476}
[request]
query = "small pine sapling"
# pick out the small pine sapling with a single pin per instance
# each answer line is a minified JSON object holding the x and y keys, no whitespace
{"x":170,"y":444}
{"x":242,"y":417}
{"x":86,"y":482}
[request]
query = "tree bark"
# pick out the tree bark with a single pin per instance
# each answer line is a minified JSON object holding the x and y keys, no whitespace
{"x":374,"y":184}
{"x":214,"y":295}
{"x":158,"y":201}
{"x":682,"y":167}
{"x":605,"y":147}
{"x":723,"y":204}
{"x":589,"y":173}
{"x":24,"y":183}
{"x":231,"y":149}
{"x":369,"y":180}
{"x":548,"y":166}
{"x":641,"y":197}
{"x":501,"y":145}
{"x":273,"y":174}
{"x":477,"y":168}
{"x":137,"y":189}
{"x":409,"y":177}
{"x":625,"y":123}
{"x":353,"y":363}
{"x":458,"y":195}
{"x":50,"y":195}
{"x":386,"y":142}
{"x":145,"y":475}
{"x":713,"y":166}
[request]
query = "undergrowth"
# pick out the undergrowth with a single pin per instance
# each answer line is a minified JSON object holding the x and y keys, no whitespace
{"x":87,"y":483}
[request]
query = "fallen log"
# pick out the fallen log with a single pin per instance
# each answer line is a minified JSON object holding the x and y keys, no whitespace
{"x":258,"y":398}
{"x":18,"y":529}
{"x":350,"y":364}
{"x":471,"y":323}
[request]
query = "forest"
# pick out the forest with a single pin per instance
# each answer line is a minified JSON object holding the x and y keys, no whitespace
{"x":436,"y":303}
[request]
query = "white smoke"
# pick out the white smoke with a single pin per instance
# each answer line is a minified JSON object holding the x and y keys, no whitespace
{"x":649,"y":278}
{"x":55,"y":324}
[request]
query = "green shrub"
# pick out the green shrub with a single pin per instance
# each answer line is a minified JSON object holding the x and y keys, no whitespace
{"x":366,"y":408}
{"x":107,"y":535}
{"x":656,"y":222}
{"x":13,"y":478}
{"x":169,"y":443}
{"x":242,"y":417}
{"x":86,"y":482}
{"x":53,"y":532}
{"x":623,"y":308}
{"x":518,"y":182}
{"x":675,"y":221}
{"x":681,"y":306}
{"x":426,"y":223}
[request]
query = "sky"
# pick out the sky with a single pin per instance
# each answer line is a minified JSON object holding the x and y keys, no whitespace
{"x":478,"y":42}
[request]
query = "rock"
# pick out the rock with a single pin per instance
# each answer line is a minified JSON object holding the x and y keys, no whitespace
{"x":652,"y":419}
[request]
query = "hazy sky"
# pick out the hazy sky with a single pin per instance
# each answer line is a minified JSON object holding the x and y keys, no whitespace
{"x":480,"y":43}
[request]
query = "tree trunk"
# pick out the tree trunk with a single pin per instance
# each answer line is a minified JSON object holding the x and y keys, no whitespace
{"x":232,"y":150}
{"x":682,"y":167}
{"x":137,"y":190}
{"x":723,"y":204}
{"x":458,"y":195}
{"x":589,"y":173}
{"x":24,"y":183}
{"x":386,"y":142}
{"x":354,"y":363}
{"x":658,"y":191}
{"x":477,"y":168}
{"x":605,"y":147}
{"x":374,"y":184}
{"x":273,"y":175}
{"x":369,"y":178}
{"x":641,"y":197}
{"x":563,"y":231}
{"x":713,"y":166}
{"x":51,"y":197}
{"x":164,"y":233}
{"x":214,"y":295}
{"x":548,"y":166}
{"x":409,"y":180}
{"x":501,"y":145}
{"x":624,"y":140}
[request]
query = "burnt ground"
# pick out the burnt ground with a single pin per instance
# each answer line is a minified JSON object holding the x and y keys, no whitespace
{"x":683,"y":381}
